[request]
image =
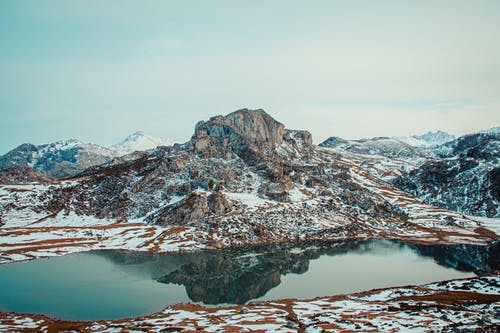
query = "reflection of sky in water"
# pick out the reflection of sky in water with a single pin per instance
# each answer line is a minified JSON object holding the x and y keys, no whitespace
{"x":82,"y":286}
{"x":359,"y":271}
{"x":114,"y":284}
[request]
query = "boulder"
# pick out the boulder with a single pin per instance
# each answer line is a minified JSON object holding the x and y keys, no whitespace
{"x":218,"y":204}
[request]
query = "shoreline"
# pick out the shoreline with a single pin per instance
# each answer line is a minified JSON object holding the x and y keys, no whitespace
{"x":416,"y":307}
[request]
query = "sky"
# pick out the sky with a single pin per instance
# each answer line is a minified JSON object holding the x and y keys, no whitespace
{"x":99,"y":70}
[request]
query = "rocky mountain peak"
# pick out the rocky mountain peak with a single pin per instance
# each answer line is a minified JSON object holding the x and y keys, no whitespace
{"x":242,"y":132}
{"x":257,"y":125}
{"x":139,"y":141}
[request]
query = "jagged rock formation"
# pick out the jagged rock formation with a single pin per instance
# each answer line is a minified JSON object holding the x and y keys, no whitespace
{"x":465,"y":179}
{"x":246,"y":133}
{"x":232,"y":164}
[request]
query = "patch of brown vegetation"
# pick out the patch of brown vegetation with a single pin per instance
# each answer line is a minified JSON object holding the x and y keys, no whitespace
{"x":454,"y":298}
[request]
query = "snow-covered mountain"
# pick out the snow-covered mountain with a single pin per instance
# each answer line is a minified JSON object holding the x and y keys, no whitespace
{"x":461,"y":174}
{"x":67,"y":158}
{"x":415,"y":146}
{"x":139,"y":141}
{"x":429,"y":139}
{"x":382,"y":146}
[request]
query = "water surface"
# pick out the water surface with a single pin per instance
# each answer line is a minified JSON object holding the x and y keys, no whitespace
{"x":117,"y":284}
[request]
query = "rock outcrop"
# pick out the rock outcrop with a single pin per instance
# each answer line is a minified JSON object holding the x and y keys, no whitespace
{"x":218,"y":204}
{"x":190,"y":210}
{"x":246,"y":133}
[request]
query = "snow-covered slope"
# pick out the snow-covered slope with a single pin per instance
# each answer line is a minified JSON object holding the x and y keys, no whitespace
{"x":493,"y":130}
{"x":415,"y":146}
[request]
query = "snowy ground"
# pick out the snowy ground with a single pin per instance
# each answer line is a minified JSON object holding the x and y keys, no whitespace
{"x":28,"y":233}
{"x":457,"y":305}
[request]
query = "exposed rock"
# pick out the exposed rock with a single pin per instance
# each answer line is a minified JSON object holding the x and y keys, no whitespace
{"x":275,"y":191}
{"x":303,"y":138}
{"x":257,"y":126}
{"x":191,"y":210}
{"x":246,"y":133}
{"x":218,"y":204}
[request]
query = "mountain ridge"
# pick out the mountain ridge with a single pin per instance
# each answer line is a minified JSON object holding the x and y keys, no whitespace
{"x":67,"y":158}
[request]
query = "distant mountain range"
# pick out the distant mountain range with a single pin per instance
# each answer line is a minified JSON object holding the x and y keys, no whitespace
{"x":67,"y":158}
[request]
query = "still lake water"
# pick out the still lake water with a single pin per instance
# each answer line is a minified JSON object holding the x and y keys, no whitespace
{"x":117,"y":284}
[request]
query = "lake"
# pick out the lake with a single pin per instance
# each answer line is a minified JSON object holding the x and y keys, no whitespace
{"x":118,"y":284}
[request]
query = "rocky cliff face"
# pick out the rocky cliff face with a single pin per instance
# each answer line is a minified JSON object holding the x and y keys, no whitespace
{"x":249,"y":134}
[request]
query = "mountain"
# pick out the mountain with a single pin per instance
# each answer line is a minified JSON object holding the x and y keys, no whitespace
{"x":60,"y":159}
{"x":382,"y":146}
{"x":493,"y":130}
{"x":464,"y":178}
{"x":241,"y":179}
{"x":68,"y":158}
{"x":415,"y":146}
{"x":458,"y":174}
{"x":139,"y":141}
{"x":429,"y":139}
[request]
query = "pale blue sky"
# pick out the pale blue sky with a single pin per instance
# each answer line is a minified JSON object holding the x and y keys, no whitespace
{"x":99,"y":70}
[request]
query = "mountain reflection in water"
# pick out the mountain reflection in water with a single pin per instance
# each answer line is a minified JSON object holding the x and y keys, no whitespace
{"x":238,"y":275}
